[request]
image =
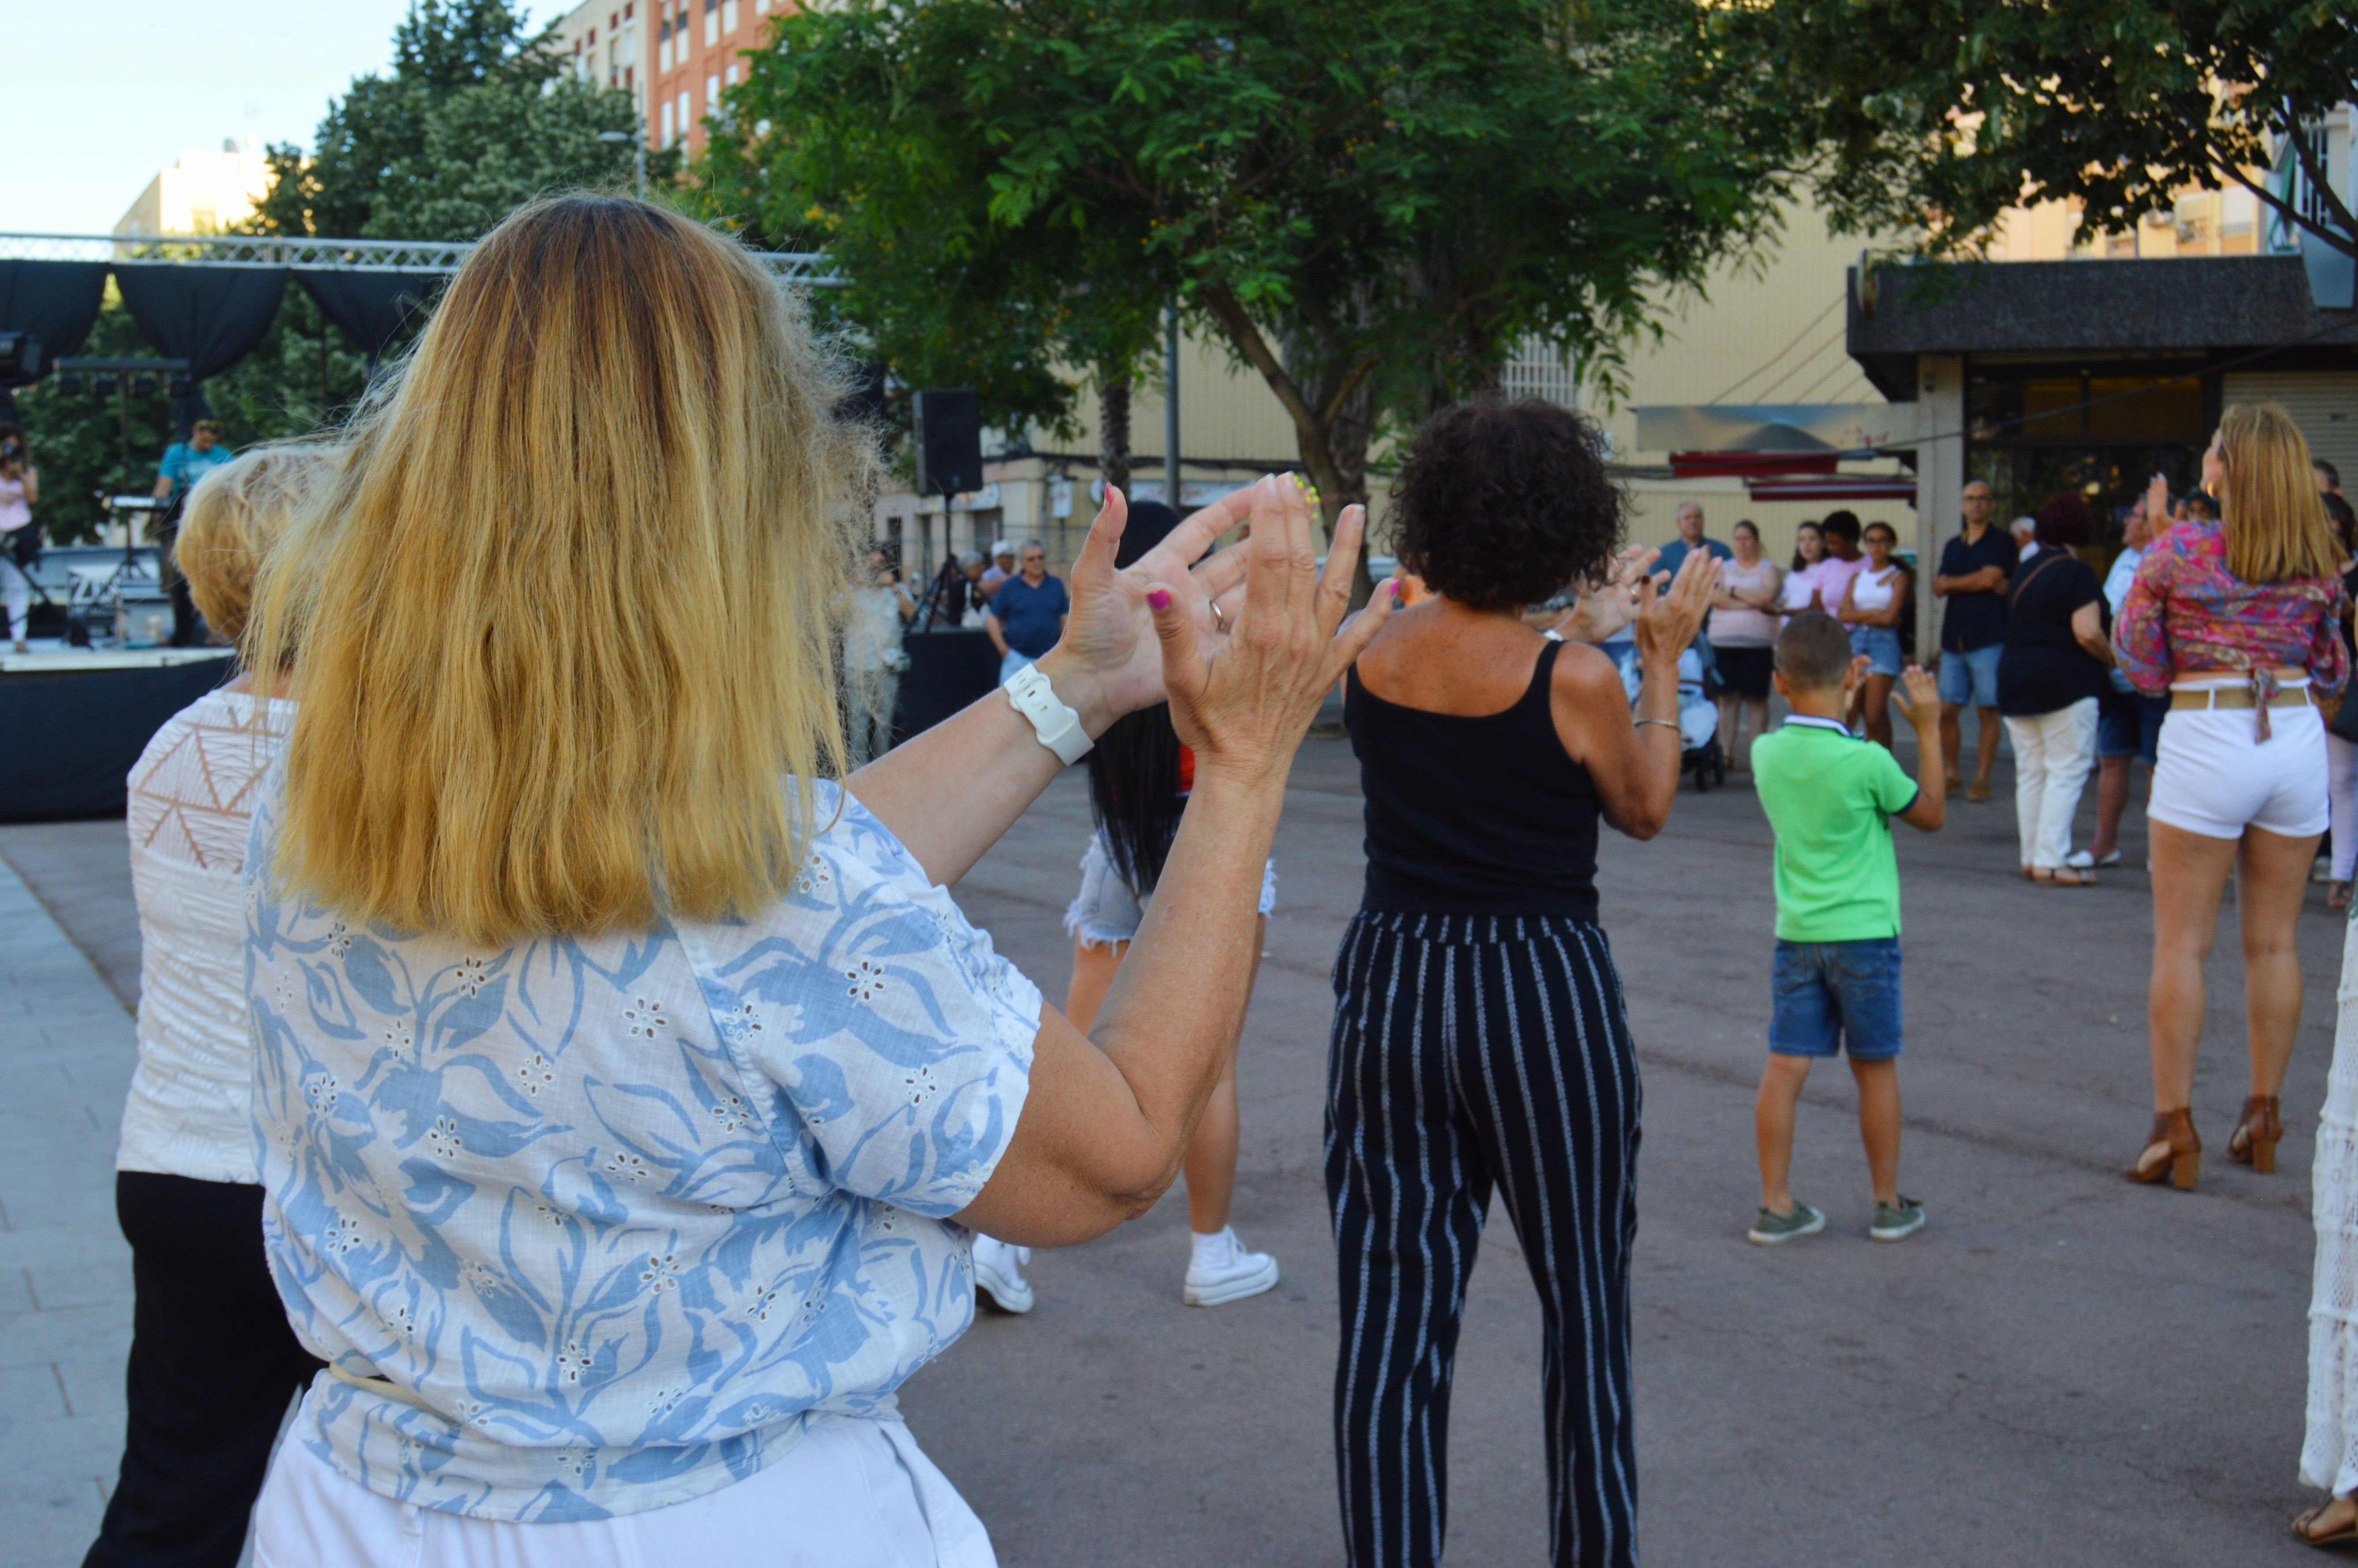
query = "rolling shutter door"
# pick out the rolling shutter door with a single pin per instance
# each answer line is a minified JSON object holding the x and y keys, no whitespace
{"x":2324,"y":403}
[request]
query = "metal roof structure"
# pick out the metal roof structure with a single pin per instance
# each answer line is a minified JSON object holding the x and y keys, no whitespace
{"x":809,"y":269}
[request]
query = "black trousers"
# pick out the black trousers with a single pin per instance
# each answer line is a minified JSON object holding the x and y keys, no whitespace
{"x":1469,"y":1051}
{"x":214,"y":1365}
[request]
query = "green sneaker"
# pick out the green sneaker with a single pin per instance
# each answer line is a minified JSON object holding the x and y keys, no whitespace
{"x":1897,"y":1222}
{"x":1770,"y":1228}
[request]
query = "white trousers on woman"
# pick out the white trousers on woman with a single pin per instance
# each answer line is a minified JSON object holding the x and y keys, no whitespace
{"x":851,"y":1492}
{"x":2329,"y":1455}
{"x":2341,"y":798}
{"x":2052,"y":753}
{"x":19,"y":591}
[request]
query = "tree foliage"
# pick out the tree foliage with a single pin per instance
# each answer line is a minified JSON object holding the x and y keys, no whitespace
{"x":474,"y":117}
{"x":1952,"y":111}
{"x":1370,"y":201}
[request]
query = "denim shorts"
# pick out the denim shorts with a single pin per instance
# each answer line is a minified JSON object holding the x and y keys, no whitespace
{"x":1837,"y":996}
{"x":1107,"y":911}
{"x":1881,"y":647}
{"x":2130,"y":726}
{"x":1970,"y":678}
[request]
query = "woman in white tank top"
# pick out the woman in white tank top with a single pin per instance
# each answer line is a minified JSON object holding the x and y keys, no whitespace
{"x":1871,"y":608}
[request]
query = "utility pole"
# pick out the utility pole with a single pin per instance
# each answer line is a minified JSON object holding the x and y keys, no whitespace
{"x":637,"y":137}
{"x":1171,"y":408}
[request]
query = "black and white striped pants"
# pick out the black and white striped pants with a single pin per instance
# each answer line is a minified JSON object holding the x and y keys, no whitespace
{"x":1468,"y":1050}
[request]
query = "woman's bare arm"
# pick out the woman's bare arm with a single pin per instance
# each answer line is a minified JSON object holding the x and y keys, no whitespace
{"x":1635,"y":762}
{"x":1110,"y":1114}
{"x":2088,"y":628}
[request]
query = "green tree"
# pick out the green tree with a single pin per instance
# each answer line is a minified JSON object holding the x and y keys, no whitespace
{"x":475,"y":116}
{"x":1942,"y":115}
{"x":1370,"y":202}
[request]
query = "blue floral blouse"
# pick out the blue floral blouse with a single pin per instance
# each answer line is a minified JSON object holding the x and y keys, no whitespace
{"x":587,"y":1226}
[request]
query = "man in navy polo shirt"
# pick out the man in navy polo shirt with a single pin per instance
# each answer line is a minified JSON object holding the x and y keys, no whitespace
{"x":1975,"y":568}
{"x":1027,"y":613}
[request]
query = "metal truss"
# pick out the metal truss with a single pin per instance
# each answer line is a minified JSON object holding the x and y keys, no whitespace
{"x":809,"y":269}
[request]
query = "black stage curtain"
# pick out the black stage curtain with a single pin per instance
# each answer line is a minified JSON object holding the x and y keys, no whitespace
{"x":212,"y":316}
{"x":369,"y":308}
{"x":948,"y":670}
{"x":54,"y":302}
{"x":68,"y":741}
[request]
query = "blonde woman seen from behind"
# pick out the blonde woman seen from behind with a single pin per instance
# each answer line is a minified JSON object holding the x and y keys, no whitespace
{"x":212,"y":1361}
{"x":627,"y":1092}
{"x":2239,"y":622}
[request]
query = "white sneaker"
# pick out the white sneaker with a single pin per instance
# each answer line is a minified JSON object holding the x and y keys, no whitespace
{"x":998,"y":1274}
{"x":1221,"y":1271}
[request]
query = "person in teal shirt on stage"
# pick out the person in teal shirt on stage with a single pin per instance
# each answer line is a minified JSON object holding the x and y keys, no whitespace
{"x":185,"y":462}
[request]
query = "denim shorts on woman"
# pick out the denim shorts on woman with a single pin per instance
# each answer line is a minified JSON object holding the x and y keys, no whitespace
{"x":1837,"y":996}
{"x":1881,"y":647}
{"x":1105,"y":911}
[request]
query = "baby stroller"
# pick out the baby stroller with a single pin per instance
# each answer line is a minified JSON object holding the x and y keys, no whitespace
{"x":1699,"y":752}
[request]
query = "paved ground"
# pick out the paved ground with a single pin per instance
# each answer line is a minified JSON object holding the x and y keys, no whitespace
{"x":2062,"y":1370}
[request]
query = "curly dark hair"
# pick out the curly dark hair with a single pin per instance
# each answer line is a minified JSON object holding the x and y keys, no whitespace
{"x":1502,"y":504}
{"x":2065,"y":521}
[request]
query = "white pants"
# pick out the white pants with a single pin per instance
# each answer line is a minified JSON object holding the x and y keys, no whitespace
{"x":2052,"y":753}
{"x":2217,"y":777}
{"x":851,"y":1492}
{"x":19,"y":594}
{"x":2342,"y":800}
{"x":874,"y":695}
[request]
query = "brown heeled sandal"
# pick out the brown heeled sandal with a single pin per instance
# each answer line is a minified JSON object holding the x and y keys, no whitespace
{"x":2345,"y":1535}
{"x":2173,"y":1132}
{"x":2254,"y":1141}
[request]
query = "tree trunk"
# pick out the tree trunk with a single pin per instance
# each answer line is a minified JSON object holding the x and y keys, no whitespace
{"x":1113,"y":433}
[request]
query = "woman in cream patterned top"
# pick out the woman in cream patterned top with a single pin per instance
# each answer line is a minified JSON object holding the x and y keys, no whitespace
{"x":625,"y":1113}
{"x":212,"y":1361}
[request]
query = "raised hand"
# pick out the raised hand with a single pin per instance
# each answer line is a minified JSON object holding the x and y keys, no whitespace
{"x":1918,"y":697}
{"x":1244,"y":701}
{"x":1668,"y":621}
{"x":1109,"y":663}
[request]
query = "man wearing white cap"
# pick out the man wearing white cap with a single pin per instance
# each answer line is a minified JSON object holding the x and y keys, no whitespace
{"x":1002,"y":568}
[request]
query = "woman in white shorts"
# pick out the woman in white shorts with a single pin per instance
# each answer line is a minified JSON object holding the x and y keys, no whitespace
{"x":2239,"y":622}
{"x":1141,"y":760}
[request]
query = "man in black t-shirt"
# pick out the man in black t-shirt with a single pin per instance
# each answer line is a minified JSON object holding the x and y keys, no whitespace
{"x":1975,"y":568}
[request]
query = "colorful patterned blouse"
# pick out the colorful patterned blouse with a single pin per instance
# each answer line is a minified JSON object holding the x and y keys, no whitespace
{"x":590,"y":1226}
{"x":2186,"y":614}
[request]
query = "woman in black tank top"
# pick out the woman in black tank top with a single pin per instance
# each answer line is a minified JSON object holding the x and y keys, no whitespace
{"x":1480,"y":1035}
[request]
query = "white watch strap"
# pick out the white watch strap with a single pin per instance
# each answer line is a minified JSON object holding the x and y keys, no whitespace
{"x":1058,"y":726}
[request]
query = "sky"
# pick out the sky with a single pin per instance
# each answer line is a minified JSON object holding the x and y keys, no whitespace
{"x":111,"y":90}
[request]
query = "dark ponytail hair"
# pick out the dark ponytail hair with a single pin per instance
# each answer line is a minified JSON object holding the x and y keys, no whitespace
{"x":1134,"y":769}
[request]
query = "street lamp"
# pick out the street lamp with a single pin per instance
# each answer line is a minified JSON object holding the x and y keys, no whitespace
{"x":638,"y":140}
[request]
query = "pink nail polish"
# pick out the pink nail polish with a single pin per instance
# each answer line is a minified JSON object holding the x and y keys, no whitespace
{"x":1159,"y":598}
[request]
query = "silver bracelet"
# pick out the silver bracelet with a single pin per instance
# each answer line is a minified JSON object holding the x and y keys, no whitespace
{"x":1665,"y":723}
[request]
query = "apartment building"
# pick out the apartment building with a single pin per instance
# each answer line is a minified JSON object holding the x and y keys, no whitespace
{"x":203,"y":192}
{"x":605,"y":42}
{"x":696,"y":47}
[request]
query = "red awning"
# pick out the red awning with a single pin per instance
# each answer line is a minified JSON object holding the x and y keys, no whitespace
{"x":1834,"y":487}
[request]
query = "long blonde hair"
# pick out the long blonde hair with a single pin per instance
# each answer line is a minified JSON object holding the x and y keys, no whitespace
{"x":2274,"y":524}
{"x":568,"y":616}
{"x":236,"y":513}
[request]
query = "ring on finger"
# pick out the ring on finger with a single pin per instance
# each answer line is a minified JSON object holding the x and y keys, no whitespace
{"x":1219,"y":617}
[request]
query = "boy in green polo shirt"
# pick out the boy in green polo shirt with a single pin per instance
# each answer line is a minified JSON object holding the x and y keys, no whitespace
{"x":1831,"y":797}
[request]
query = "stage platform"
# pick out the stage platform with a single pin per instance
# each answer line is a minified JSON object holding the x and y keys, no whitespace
{"x":73,"y":720}
{"x":58,"y":659}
